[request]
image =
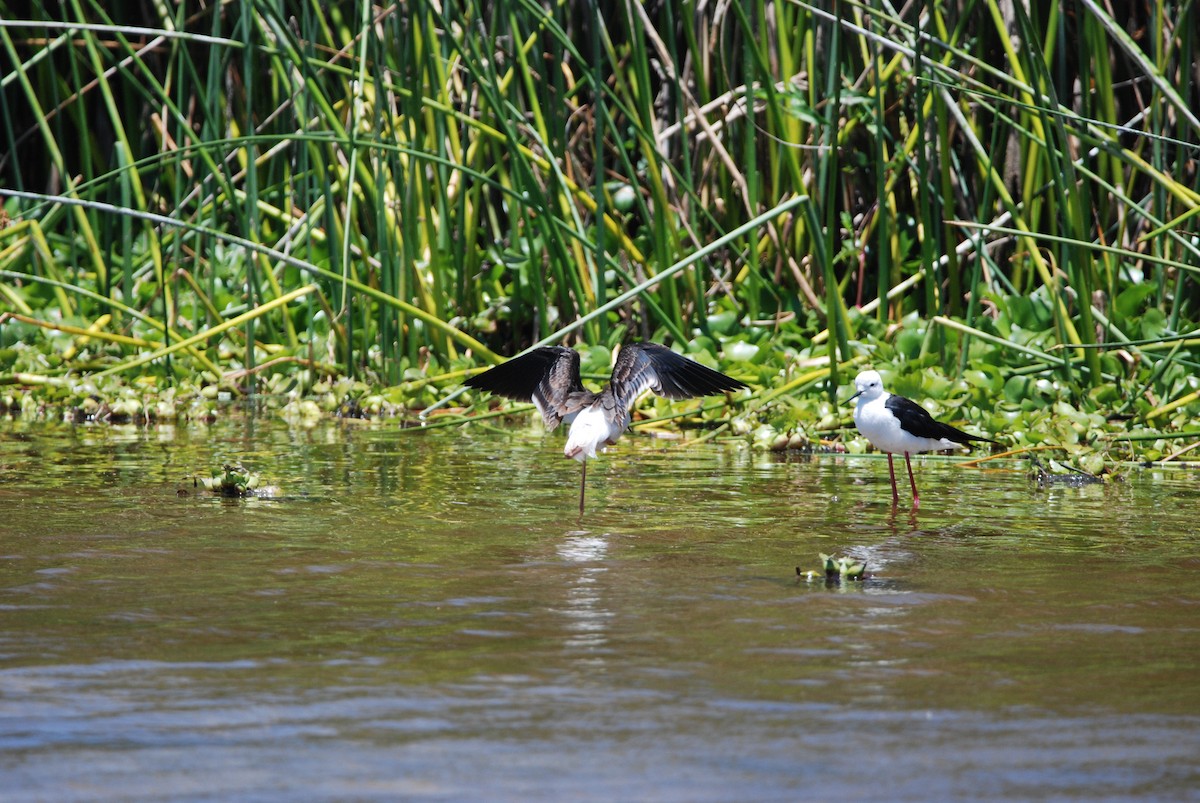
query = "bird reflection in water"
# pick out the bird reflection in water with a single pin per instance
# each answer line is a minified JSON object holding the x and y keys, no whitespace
{"x":587,"y":618}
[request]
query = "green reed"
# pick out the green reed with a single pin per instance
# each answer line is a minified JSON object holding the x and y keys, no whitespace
{"x":470,"y":178}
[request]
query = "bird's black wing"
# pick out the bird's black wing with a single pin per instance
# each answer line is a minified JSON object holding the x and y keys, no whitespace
{"x":916,"y":420}
{"x":547,"y":376}
{"x":642,"y":366}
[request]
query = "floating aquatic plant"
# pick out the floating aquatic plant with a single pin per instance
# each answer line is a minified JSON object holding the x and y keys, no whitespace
{"x":836,"y":569}
{"x":1055,"y":473}
{"x":230,"y":480}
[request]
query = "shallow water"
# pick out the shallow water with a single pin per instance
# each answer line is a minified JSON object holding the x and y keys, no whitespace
{"x":424,"y":616}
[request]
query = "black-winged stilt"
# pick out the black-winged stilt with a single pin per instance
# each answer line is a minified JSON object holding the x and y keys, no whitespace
{"x":896,"y":425}
{"x":549,"y":377}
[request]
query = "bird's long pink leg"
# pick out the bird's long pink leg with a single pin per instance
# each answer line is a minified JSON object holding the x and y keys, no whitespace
{"x":912,"y":482}
{"x":582,"y":485}
{"x":892,"y":474}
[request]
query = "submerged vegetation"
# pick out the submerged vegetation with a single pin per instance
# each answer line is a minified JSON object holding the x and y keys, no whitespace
{"x":347,"y":208}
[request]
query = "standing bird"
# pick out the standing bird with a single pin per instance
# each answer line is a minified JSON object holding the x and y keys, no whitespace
{"x":549,"y":377}
{"x":894,"y":424}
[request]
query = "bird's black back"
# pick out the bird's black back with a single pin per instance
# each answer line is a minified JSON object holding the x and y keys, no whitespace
{"x":916,"y":420}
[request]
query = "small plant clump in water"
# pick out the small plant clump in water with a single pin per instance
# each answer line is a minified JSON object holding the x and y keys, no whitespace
{"x":231,"y":481}
{"x":836,"y":569}
{"x":1057,"y":473}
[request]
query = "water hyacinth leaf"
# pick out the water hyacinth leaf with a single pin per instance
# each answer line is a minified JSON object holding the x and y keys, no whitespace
{"x":1153,"y":324}
{"x":1105,"y":395}
{"x":742,"y":351}
{"x":1131,"y":300}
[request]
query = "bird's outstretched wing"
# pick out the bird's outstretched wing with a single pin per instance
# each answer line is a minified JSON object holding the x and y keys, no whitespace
{"x":547,"y":376}
{"x":642,"y":366}
{"x":916,"y":420}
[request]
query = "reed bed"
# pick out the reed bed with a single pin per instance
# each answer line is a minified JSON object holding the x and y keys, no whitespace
{"x":262,"y":197}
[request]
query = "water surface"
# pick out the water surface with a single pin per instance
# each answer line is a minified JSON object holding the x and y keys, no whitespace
{"x":425,"y":616}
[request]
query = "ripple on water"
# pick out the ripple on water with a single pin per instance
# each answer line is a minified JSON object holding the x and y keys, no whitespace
{"x":426,"y":616}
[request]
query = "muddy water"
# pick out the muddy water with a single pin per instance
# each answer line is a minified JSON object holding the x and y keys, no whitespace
{"x":425,"y":616}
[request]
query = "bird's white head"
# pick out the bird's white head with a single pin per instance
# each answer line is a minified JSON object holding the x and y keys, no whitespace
{"x":869,"y":385}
